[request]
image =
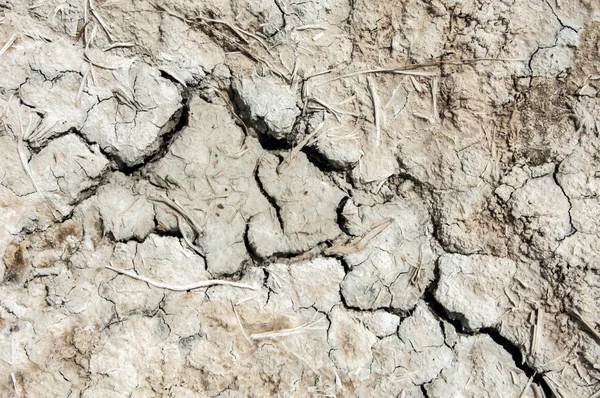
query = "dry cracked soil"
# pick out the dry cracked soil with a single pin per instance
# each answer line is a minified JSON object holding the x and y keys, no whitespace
{"x":296,"y":198}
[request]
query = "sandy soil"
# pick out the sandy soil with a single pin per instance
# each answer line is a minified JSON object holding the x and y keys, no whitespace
{"x":286,"y":198}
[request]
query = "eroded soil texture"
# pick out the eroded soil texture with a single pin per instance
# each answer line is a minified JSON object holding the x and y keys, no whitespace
{"x":286,"y":198}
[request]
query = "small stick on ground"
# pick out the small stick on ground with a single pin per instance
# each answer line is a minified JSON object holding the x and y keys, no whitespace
{"x":376,"y":110}
{"x":8,"y":44}
{"x":185,"y":288}
{"x":361,"y":243}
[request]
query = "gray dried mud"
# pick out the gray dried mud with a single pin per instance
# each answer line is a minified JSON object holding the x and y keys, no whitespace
{"x":320,"y":198}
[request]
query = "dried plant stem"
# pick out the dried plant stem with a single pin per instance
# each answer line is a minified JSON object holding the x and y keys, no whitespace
{"x":239,"y":321}
{"x":361,"y":243}
{"x":100,"y":20}
{"x":330,"y":108}
{"x":175,"y":288}
{"x":287,"y":332}
{"x":376,"y":110}
{"x":8,"y":44}
{"x":178,"y":208}
{"x":294,"y":152}
{"x":591,"y":328}
{"x":522,"y":395}
{"x":537,"y":331}
{"x":185,"y":237}
{"x":118,"y":45}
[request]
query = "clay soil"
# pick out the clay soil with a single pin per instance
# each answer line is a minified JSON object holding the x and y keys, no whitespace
{"x":297,"y":198}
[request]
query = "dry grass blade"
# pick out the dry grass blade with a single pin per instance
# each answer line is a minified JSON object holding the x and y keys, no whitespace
{"x":376,"y":110}
{"x":118,"y":45}
{"x":361,"y":243}
{"x":410,"y":69}
{"x":587,"y":324}
{"x":126,"y":64}
{"x":334,"y":111}
{"x":294,"y":152}
{"x":239,"y":321}
{"x":232,"y":110}
{"x":184,"y":288}
{"x":82,"y":85}
{"x":185,"y":237}
{"x":8,"y":44}
{"x":288,"y":332}
{"x":22,"y":135}
{"x":408,"y":72}
{"x":434,"y":89}
{"x":522,"y":395}
{"x":100,"y":20}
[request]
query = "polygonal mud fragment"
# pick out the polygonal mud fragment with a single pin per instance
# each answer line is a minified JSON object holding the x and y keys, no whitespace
{"x":209,"y":171}
{"x":113,"y":363}
{"x":306,"y":208}
{"x":162,"y":259}
{"x":381,"y":323}
{"x":60,"y":102}
{"x":125,"y":213}
{"x":351,"y":345}
{"x":543,"y":209}
{"x":479,"y":366}
{"x":413,"y":357}
{"x":268,"y":106}
{"x":129,"y":126}
{"x":396,"y":265}
{"x":63,"y":171}
{"x":471,"y":288}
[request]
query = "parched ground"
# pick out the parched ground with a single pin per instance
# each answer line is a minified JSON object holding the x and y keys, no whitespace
{"x":286,"y":198}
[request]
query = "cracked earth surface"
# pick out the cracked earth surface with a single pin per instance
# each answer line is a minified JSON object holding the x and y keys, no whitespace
{"x":299,"y":198}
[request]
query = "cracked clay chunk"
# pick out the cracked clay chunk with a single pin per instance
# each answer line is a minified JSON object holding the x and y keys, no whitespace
{"x":480,"y":368}
{"x":470,"y":288}
{"x":268,"y":106}
{"x":129,"y":125}
{"x":125,"y":214}
{"x":209,"y":170}
{"x":396,"y":266}
{"x":305,"y":206}
{"x":65,"y":169}
{"x":543,"y":209}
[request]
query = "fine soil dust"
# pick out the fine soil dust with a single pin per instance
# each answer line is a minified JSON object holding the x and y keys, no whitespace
{"x":299,"y":198}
